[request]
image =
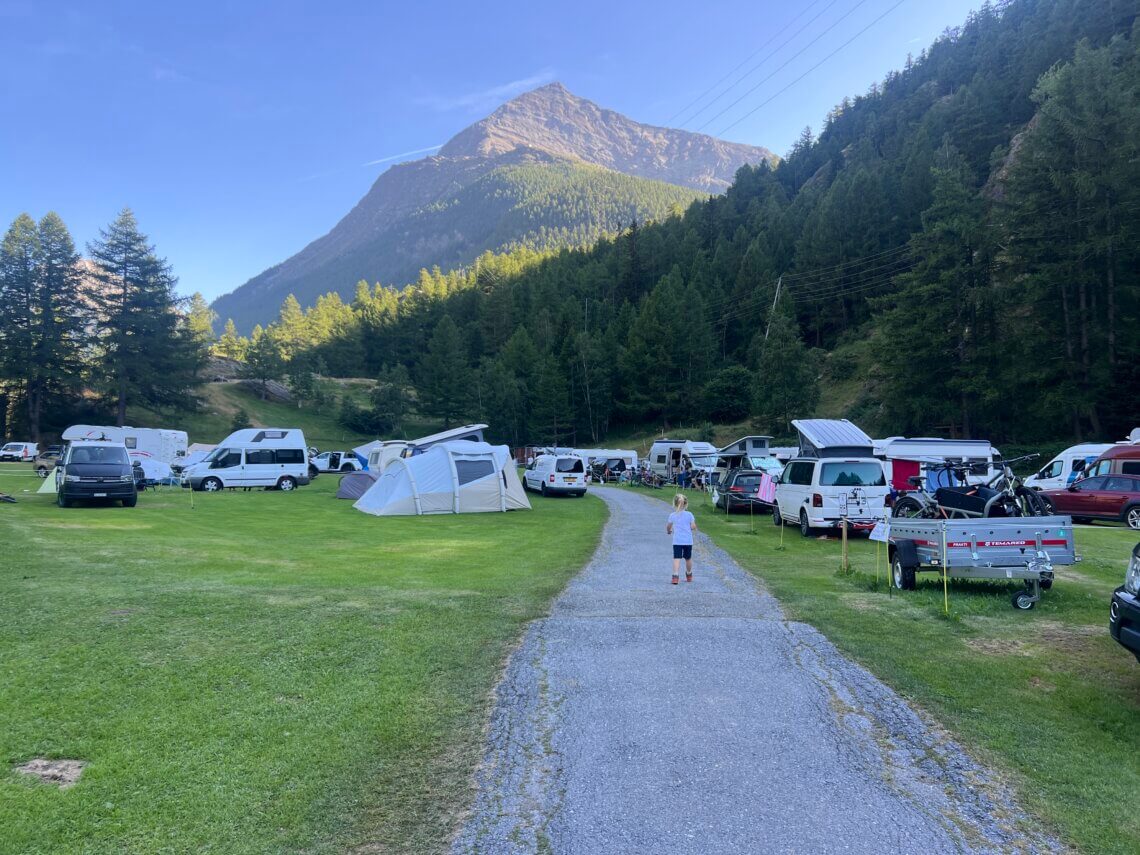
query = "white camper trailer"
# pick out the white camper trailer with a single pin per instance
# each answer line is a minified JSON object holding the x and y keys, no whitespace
{"x":158,"y":444}
{"x":920,"y":457}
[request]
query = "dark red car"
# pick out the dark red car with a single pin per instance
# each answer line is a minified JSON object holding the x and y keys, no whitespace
{"x":1101,"y":497}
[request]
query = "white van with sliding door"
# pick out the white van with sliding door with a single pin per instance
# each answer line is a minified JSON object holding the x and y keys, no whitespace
{"x":816,"y":493}
{"x":1067,"y":466}
{"x":255,"y":457}
{"x":556,"y":473}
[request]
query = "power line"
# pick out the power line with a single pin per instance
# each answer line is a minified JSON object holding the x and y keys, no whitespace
{"x":810,"y":70}
{"x":760,"y":64}
{"x":786,"y":63}
{"x":744,"y":62}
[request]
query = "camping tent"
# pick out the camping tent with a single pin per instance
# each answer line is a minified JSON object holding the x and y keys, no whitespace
{"x":449,"y":478}
{"x":355,"y":484}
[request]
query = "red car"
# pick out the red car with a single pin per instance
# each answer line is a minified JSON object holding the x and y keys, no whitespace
{"x":1101,"y":497}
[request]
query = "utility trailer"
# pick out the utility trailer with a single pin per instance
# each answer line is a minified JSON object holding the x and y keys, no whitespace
{"x":1022,"y":548}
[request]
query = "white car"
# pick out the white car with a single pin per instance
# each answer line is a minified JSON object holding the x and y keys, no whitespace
{"x":335,"y":461}
{"x":19,"y":451}
{"x":556,"y":473}
{"x":818,"y":493}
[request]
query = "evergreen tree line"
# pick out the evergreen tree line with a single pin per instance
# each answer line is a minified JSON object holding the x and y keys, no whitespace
{"x":958,"y":245}
{"x":83,"y":338}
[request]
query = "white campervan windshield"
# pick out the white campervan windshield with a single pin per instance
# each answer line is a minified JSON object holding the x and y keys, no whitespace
{"x":852,"y":474}
{"x":704,"y":461}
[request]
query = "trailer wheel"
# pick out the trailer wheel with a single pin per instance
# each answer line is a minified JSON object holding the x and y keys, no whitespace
{"x":902,"y":576}
{"x":1023,"y":600}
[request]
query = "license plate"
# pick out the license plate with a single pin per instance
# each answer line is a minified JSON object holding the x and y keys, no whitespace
{"x":571,"y":480}
{"x":100,"y":495}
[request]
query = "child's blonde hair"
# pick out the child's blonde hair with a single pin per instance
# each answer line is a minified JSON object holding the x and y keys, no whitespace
{"x":680,"y":502}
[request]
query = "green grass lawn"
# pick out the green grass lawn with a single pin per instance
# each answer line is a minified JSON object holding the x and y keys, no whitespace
{"x":261,"y":672}
{"x":1045,"y":696}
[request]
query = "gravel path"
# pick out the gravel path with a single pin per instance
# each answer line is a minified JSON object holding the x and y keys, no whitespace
{"x":642,"y":717}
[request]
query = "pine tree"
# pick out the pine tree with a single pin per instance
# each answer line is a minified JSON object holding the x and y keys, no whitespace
{"x":200,"y":320}
{"x":263,"y":360}
{"x":231,"y":345}
{"x":41,"y":315}
{"x":786,"y":382}
{"x":445,"y":375}
{"x":551,"y":404}
{"x":143,"y":351}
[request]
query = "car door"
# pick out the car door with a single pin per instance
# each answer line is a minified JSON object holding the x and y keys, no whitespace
{"x":1082,"y":497}
{"x":1116,"y":494}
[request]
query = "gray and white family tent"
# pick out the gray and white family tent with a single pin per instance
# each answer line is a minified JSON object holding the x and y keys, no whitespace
{"x":449,"y":478}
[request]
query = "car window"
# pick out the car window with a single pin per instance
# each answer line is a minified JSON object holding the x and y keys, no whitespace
{"x":1100,"y":468}
{"x":800,"y":473}
{"x":1118,"y":484}
{"x":100,"y":454}
{"x":1130,"y":467}
{"x":291,"y":455}
{"x":747,"y":481}
{"x":226,"y":458}
{"x":261,"y":455}
{"x":569,"y":464}
{"x":852,"y":474}
{"x":1094,"y":483}
{"x":1053,"y":469}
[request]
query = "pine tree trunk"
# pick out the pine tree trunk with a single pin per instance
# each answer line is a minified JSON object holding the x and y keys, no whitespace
{"x":121,"y":415}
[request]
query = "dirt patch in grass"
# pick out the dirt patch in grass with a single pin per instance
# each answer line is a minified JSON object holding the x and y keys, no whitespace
{"x":62,"y":773}
{"x":1000,"y":646}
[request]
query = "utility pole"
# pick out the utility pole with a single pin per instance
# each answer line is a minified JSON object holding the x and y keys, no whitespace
{"x":773,"y":309}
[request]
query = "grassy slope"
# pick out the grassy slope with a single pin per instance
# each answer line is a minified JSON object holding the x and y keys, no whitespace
{"x":220,"y":401}
{"x":262,"y":672}
{"x":1047,"y":695}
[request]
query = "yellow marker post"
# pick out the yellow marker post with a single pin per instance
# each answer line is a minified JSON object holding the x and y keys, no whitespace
{"x":945,"y":582}
{"x":846,"y":563}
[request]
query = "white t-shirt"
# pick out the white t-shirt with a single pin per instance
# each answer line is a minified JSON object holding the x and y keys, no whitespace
{"x":682,"y":528}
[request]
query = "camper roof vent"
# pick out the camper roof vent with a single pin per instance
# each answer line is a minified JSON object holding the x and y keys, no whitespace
{"x":269,"y":434}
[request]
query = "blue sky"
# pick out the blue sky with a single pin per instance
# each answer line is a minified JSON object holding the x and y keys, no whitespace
{"x":240,"y":131}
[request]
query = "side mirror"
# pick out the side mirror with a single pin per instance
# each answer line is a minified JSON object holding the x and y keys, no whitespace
{"x":1074,"y":488}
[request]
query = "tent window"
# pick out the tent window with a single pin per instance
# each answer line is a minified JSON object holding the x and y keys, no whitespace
{"x":473,"y":470}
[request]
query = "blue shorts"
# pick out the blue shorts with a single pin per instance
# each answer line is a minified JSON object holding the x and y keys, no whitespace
{"x":683,"y":551}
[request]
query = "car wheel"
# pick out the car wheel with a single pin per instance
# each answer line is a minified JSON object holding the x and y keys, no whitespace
{"x":543,"y":490}
{"x":902,"y":577}
{"x":777,"y":520}
{"x":287,"y":484}
{"x":347,"y":467}
{"x":211,"y":485}
{"x":62,"y":500}
{"x":805,"y":526}
{"x":1132,"y":517}
{"x":42,"y":471}
{"x":131,"y":502}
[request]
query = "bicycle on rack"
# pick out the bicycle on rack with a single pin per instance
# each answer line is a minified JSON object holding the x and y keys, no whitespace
{"x":1003,"y":495}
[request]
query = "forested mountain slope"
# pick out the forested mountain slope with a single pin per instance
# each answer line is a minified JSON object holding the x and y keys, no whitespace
{"x":962,"y":239}
{"x":545,"y":170}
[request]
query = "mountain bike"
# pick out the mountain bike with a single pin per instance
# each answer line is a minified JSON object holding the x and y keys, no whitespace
{"x":1003,"y":495}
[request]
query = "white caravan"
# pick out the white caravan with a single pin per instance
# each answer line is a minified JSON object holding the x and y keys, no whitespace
{"x":254,"y":457}
{"x":159,"y":444}
{"x":669,"y":456}
{"x":1067,"y":466}
{"x":380,"y":452}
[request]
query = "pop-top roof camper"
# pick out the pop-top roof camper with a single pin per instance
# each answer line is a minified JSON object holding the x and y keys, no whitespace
{"x":832,"y":438}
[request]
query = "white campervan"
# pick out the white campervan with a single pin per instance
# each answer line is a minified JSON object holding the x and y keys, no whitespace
{"x":669,"y":456}
{"x":1067,"y":466}
{"x":834,"y":478}
{"x":254,"y":457}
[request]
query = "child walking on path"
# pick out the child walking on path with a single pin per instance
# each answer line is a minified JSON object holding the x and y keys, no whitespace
{"x":681,"y":525}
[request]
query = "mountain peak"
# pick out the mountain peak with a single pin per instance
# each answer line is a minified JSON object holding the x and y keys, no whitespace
{"x":554,"y":120}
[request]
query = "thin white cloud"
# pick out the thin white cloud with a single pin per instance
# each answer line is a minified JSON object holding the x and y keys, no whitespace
{"x":489,"y":98}
{"x":403,"y":154}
